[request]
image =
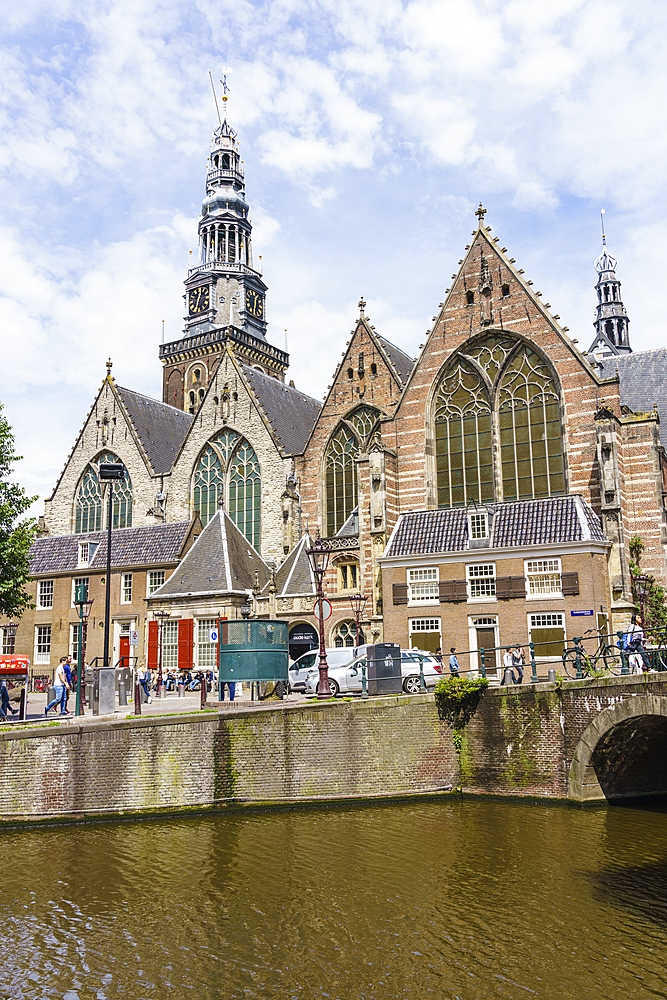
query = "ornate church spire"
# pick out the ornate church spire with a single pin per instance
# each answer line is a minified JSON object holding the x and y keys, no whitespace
{"x":611,"y":318}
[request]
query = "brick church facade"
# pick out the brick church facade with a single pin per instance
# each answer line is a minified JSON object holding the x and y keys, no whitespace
{"x":502,"y":453}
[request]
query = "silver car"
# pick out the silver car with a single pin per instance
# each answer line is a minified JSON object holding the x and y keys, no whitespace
{"x":346,"y":678}
{"x":308,"y":663}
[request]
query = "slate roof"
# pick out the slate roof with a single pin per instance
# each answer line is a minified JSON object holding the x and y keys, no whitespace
{"x":527,"y":522}
{"x":350,"y":529}
{"x":291,"y":413}
{"x":161,"y":428}
{"x":149,"y":545}
{"x":222,"y":561}
{"x":643,"y":376}
{"x":399,"y":359}
{"x":295,"y":576}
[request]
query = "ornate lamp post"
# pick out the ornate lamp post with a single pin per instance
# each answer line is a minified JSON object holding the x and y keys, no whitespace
{"x":160,"y":617}
{"x":642,"y":586}
{"x":318,"y":554}
{"x":83,"y":606}
{"x":358,"y":603}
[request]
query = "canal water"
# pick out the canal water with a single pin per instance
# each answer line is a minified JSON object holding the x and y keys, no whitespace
{"x":443,"y":899}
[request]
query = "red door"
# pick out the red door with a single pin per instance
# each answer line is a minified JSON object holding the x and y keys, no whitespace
{"x":125,"y":649}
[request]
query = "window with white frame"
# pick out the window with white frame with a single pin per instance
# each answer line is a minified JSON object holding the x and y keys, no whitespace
{"x":74,"y":638}
{"x":207,"y":651}
{"x":155,"y":580}
{"x":170,"y":645}
{"x":543,"y":578}
{"x":87,"y":552}
{"x":76,"y":583}
{"x":8,"y":641}
{"x":481,"y":581}
{"x":423,"y":585}
{"x":478,"y":525}
{"x":547,"y":632}
{"x":425,"y":633}
{"x":126,"y":588}
{"x":42,"y":644}
{"x":45,"y":594}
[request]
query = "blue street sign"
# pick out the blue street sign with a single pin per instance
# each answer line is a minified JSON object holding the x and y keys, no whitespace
{"x":577,"y":614}
{"x":214,"y":635}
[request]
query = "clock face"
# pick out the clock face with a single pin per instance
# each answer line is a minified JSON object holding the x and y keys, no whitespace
{"x":198,"y":299}
{"x":254,"y":303}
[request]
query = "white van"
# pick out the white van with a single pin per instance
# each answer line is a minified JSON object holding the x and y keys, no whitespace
{"x":337,"y":655}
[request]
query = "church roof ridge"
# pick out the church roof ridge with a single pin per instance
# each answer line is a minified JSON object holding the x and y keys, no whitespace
{"x":290,"y":412}
{"x":160,"y":428}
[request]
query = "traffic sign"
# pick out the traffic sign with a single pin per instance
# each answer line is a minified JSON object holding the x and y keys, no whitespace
{"x":327,"y":608}
{"x":214,"y":635}
{"x":134,"y":638}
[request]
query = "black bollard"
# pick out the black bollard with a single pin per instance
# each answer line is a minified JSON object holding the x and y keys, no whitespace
{"x":202,"y":692}
{"x":137,"y":698}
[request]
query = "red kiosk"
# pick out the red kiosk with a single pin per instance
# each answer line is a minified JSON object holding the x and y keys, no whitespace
{"x":16,"y":670}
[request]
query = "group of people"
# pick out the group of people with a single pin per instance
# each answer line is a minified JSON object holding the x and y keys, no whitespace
{"x":64,"y":681}
{"x":513,"y":660}
{"x":171,"y":680}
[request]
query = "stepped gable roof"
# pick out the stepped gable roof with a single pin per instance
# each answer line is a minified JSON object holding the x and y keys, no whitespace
{"x":526,"y":522}
{"x":222,"y":561}
{"x":643,"y":376}
{"x":399,"y":359}
{"x":151,"y":544}
{"x":161,"y":428}
{"x":291,"y":413}
{"x":295,"y":575}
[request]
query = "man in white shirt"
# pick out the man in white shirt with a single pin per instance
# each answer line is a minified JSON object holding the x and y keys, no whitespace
{"x":61,"y":687}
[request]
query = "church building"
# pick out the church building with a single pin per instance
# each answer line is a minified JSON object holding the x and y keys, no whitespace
{"x":482,"y":494}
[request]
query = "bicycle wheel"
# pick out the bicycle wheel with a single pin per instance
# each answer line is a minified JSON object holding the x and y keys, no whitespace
{"x":570,"y":663}
{"x":612,"y":659}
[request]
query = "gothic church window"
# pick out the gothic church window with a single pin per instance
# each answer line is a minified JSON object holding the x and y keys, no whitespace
{"x":88,"y":506}
{"x":355,"y":434}
{"x":228,"y":474}
{"x":498,"y":397}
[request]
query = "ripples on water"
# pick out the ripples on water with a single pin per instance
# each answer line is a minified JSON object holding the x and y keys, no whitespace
{"x":470,"y":900}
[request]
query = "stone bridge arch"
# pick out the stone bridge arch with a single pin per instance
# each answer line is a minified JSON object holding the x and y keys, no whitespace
{"x":623,"y":753}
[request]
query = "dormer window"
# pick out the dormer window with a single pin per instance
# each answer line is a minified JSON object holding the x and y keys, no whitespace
{"x":478,"y":526}
{"x":87,"y":552}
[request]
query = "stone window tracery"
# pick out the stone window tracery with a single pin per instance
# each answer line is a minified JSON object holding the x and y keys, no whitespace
{"x":500,"y":390}
{"x":356,"y":433}
{"x":88,"y":506}
{"x":228,"y":468}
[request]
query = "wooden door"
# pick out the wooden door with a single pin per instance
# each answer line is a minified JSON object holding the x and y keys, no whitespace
{"x":486,"y":639}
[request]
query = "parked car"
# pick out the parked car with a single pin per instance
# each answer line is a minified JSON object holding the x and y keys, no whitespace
{"x":301,"y":667}
{"x":346,"y":677}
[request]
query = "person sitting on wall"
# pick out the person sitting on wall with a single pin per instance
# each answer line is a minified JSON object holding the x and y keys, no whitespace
{"x":453,"y":663}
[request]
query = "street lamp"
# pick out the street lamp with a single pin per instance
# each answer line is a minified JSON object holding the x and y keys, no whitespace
{"x":245,"y":610}
{"x":318,"y":554}
{"x":160,"y":616}
{"x":10,"y":638}
{"x":358,"y":602}
{"x":642,"y":586}
{"x":83,"y":606}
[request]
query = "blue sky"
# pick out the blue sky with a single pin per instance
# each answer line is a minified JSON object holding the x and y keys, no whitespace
{"x":369,"y":131}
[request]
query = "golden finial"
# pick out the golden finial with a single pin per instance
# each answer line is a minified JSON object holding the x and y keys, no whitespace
{"x":109,"y":367}
{"x":480,"y":213}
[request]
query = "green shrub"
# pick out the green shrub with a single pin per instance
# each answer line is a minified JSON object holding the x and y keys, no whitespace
{"x":457,"y":699}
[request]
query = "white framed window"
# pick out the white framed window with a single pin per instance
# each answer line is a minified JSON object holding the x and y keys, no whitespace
{"x":74,"y":633}
{"x":348,"y":576}
{"x":207,"y":651}
{"x":42,"y":643}
{"x":425,"y":633}
{"x":8,"y":641}
{"x":126,"y":588}
{"x":547,"y":632}
{"x":543,"y":578}
{"x":423,"y":585}
{"x":45,"y":594}
{"x":76,"y":583}
{"x":170,"y":645}
{"x":481,"y":581}
{"x":478,"y":525}
{"x":155,"y":580}
{"x":87,"y":552}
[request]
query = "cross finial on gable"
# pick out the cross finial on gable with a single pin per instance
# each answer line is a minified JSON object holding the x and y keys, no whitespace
{"x":480,"y":213}
{"x":362,"y":306}
{"x":109,"y":367}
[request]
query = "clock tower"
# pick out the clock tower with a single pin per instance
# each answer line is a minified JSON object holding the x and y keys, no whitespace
{"x":225,"y":295}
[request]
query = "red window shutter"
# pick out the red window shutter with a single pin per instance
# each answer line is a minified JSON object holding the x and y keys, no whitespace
{"x":152,"y":645}
{"x":400,"y":593}
{"x":185,"y":634}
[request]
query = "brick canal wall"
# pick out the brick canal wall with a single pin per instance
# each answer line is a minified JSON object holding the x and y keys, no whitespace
{"x":531,"y":741}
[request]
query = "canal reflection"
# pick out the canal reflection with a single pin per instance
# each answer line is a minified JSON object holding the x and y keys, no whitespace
{"x":454,"y":899}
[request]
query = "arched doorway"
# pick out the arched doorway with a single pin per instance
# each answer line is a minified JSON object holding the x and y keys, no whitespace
{"x":622,"y":755}
{"x":302,"y":637}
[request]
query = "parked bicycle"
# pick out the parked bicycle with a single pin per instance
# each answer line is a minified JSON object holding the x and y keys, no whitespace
{"x":605,"y":657}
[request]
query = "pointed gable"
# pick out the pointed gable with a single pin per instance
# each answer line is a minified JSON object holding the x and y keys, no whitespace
{"x":221,"y":561}
{"x":295,"y":576}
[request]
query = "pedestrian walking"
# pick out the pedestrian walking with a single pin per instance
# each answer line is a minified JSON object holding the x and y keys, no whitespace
{"x":68,"y":675}
{"x":508,"y":664}
{"x":635,"y":645}
{"x":518,"y":663}
{"x":453,"y":663}
{"x":61,"y":688}
{"x":4,"y":702}
{"x":145,"y":681}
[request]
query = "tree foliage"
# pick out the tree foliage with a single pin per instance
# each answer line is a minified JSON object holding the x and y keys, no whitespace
{"x":655,"y":612}
{"x":16,"y":533}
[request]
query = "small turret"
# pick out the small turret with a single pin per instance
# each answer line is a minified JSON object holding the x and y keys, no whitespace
{"x":611,"y":317}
